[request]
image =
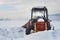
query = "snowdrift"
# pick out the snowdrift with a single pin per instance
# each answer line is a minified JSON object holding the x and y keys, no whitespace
{"x":44,"y":35}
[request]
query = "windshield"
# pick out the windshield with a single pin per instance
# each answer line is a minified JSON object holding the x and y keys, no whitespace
{"x":38,"y":14}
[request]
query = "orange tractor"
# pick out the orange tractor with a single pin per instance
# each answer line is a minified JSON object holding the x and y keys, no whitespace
{"x":39,"y":20}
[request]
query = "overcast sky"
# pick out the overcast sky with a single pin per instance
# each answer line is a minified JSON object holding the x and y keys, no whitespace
{"x":16,"y":9}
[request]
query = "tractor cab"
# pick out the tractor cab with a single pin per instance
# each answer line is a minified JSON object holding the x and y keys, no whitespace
{"x":39,"y":13}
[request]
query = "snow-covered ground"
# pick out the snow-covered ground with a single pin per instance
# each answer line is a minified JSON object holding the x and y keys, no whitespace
{"x":11,"y":30}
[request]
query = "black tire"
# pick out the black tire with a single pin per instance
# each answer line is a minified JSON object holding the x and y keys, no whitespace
{"x":28,"y":31}
{"x":49,"y":28}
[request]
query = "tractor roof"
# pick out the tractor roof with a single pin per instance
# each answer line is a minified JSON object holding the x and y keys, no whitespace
{"x":39,"y":8}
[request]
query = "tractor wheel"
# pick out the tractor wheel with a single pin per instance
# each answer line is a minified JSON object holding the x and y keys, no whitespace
{"x":49,"y":28}
{"x":28,"y":31}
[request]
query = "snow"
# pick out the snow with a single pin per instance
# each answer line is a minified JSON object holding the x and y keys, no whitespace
{"x":12,"y":30}
{"x":45,"y":35}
